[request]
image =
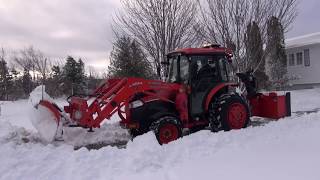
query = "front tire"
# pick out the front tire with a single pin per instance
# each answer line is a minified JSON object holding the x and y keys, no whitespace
{"x":167,"y":129}
{"x":229,"y":112}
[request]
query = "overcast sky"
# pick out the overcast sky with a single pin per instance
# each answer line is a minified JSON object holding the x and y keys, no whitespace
{"x":81,"y":28}
{"x":308,"y":20}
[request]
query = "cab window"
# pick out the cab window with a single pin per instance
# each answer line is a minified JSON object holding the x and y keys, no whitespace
{"x":223,"y":69}
{"x":230,"y":73}
{"x":184,"y":69}
{"x":204,"y":67}
{"x":173,"y":70}
{"x":178,"y":69}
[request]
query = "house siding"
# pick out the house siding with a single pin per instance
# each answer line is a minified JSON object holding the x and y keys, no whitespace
{"x":301,"y":75}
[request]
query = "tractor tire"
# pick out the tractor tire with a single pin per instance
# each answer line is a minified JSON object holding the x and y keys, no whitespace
{"x":229,"y":111}
{"x":167,"y":129}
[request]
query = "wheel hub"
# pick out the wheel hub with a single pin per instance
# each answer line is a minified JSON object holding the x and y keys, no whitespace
{"x":168,"y":133}
{"x":237,"y":116}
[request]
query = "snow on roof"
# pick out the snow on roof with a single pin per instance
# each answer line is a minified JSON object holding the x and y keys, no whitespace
{"x":308,"y":39}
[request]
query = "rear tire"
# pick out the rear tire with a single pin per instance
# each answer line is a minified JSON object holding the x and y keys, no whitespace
{"x":167,"y":129}
{"x":229,"y":111}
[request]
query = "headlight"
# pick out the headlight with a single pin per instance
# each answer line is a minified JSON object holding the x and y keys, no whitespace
{"x":136,"y":104}
{"x":77,"y":115}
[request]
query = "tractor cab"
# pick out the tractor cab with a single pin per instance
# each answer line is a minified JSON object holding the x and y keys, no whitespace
{"x":211,"y":62}
{"x":201,"y":70}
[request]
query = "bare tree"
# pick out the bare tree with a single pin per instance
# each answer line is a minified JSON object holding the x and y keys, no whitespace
{"x":33,"y":60}
{"x":22,"y":59}
{"x":92,"y":72}
{"x":42,"y":65}
{"x":2,"y":54}
{"x":285,"y":11}
{"x":225,"y":21}
{"x":159,"y":26}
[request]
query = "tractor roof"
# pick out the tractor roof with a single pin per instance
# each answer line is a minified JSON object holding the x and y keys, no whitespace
{"x":208,"y":50}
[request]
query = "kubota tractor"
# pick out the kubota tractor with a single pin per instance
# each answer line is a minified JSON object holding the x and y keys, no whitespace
{"x":143,"y":105}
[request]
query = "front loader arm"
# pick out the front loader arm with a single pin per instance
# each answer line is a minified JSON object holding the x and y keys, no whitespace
{"x":114,"y":99}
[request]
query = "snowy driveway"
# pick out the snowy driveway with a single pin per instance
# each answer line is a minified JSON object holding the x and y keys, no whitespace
{"x":287,"y":149}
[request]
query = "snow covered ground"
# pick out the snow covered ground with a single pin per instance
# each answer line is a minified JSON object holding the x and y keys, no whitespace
{"x":286,"y":149}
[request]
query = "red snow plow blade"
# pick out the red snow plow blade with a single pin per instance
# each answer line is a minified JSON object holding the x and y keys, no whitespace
{"x":52,"y":108}
{"x":46,"y":119}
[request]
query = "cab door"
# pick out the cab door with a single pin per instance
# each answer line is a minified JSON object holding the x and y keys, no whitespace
{"x":204,"y":76}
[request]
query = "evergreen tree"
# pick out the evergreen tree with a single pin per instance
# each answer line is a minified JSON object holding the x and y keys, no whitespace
{"x":54,"y":82}
{"x":56,"y":72}
{"x":69,"y":75}
{"x":81,"y":77}
{"x":26,"y":82}
{"x":17,"y":89}
{"x":74,"y":76}
{"x":5,"y":80}
{"x":128,"y":60}
{"x":277,"y":60}
{"x":254,"y":53}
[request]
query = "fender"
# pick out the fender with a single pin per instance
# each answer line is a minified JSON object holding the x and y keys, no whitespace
{"x":214,"y":91}
{"x":152,"y":111}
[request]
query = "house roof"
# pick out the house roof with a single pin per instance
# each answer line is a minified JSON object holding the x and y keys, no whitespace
{"x":308,"y":39}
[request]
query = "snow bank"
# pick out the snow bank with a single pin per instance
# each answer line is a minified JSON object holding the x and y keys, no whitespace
{"x":305,"y":100}
{"x":16,"y":113}
{"x":286,"y":149}
{"x":108,"y":134}
{"x":38,"y":94}
{"x":17,"y":135}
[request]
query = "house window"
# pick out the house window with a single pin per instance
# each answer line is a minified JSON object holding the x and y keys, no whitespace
{"x":291,"y":59}
{"x":299,"y":58}
{"x":306,"y":57}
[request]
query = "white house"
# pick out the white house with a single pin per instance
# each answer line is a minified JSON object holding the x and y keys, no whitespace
{"x":303,"y":54}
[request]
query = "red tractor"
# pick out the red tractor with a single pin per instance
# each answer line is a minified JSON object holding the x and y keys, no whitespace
{"x":199,"y":92}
